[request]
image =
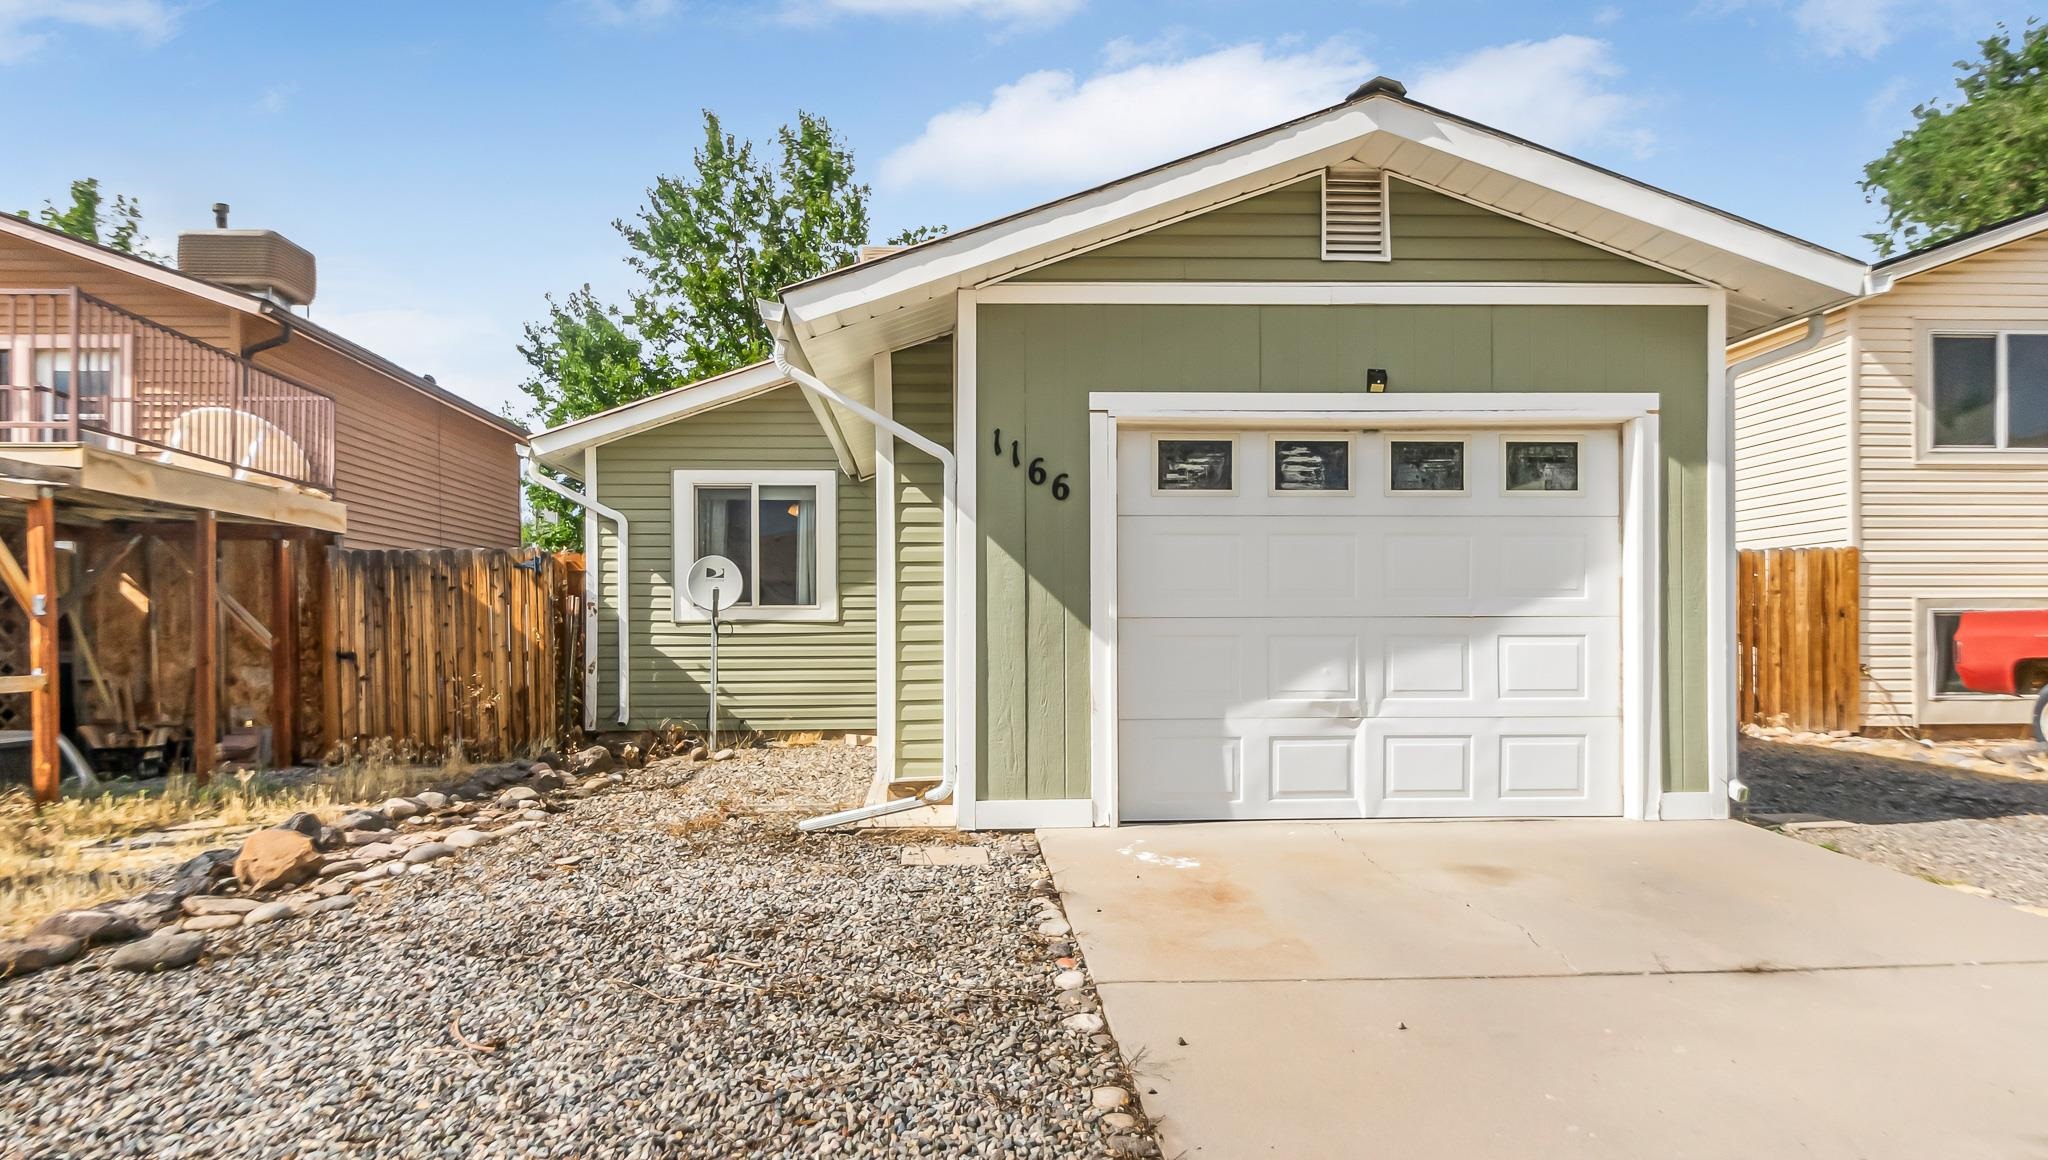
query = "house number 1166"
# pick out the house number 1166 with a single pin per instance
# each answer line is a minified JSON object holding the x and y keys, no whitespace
{"x":1036,"y":471}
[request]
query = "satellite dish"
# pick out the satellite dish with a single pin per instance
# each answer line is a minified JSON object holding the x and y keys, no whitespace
{"x":714,"y":583}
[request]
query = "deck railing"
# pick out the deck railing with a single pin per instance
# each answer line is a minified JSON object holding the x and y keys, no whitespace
{"x":75,"y":369}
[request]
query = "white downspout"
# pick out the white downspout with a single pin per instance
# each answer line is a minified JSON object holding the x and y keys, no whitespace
{"x":591,"y":568}
{"x":948,"y":605}
{"x":1816,"y":328}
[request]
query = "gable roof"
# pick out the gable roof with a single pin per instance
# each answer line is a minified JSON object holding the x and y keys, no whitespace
{"x":250,"y":304}
{"x":562,"y":447}
{"x":841,"y":319}
{"x":2017,"y":228}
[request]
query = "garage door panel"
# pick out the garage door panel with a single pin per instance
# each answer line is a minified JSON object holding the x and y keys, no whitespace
{"x":1354,"y":566}
{"x":1471,"y":666}
{"x":1493,"y":766}
{"x":1240,"y":668}
{"x":1182,"y":770}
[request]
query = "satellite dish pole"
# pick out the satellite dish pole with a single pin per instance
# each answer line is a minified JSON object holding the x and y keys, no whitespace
{"x":714,"y":583}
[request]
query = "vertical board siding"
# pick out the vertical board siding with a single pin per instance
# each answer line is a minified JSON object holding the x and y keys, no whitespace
{"x":1277,"y":237}
{"x":1931,"y":529}
{"x":1796,"y":638}
{"x":1793,"y":445}
{"x":772,"y":676}
{"x":922,"y":378}
{"x":1037,"y":365}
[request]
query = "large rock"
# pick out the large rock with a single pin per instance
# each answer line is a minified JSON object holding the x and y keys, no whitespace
{"x":547,"y":782}
{"x":588,"y":760}
{"x":202,"y":868}
{"x":216,"y":904}
{"x":363,"y":820}
{"x":516,"y":795}
{"x":159,"y":952}
{"x":304,"y":823}
{"x":428,"y":852}
{"x":400,"y":808}
{"x":23,"y":955}
{"x":91,"y":927}
{"x":271,"y":858}
{"x":212,"y":922}
{"x":432,"y":799}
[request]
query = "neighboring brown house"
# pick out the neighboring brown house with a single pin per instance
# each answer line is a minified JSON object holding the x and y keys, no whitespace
{"x":177,"y":447}
{"x":414,"y":465}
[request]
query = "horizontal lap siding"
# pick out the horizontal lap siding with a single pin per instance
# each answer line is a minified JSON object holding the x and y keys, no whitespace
{"x":413,"y":471}
{"x":1277,"y":237}
{"x":1932,"y":529}
{"x":771,"y":676}
{"x":922,"y":384}
{"x":26,"y":265}
{"x":1792,"y":446}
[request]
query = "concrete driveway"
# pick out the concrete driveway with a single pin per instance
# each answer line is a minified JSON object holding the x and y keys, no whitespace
{"x":1553,"y":989}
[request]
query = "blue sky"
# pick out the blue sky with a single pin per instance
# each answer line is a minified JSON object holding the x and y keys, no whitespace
{"x":451,"y":162}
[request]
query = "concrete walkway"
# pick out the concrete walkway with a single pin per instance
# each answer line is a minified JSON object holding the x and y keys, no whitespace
{"x":1550,"y":989}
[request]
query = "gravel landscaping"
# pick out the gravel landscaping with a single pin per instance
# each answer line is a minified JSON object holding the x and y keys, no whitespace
{"x":666,"y":968}
{"x":1946,"y":824}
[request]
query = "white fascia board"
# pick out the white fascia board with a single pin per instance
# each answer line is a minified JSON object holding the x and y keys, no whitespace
{"x":940,"y":265}
{"x":1238,"y":407}
{"x":557,"y":445}
{"x":1609,"y":191}
{"x":1353,"y":293}
{"x":1882,"y":279}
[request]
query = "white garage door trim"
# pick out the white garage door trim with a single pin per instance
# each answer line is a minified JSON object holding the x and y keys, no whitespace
{"x":1634,"y":415}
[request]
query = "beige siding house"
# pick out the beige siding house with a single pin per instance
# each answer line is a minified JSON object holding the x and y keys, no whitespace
{"x":1916,"y":431}
{"x":1374,"y":465}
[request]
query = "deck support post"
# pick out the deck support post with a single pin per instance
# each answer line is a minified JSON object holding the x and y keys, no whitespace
{"x":205,"y":645}
{"x":45,"y":702}
{"x":320,"y":571}
{"x":284,"y":654}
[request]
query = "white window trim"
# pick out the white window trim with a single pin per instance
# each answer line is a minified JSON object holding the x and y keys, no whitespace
{"x":1236,"y":465}
{"x":683,"y":501}
{"x":1273,"y":441}
{"x":1462,"y":439}
{"x":1579,"y":461}
{"x":1937,"y":708}
{"x":1924,"y":447}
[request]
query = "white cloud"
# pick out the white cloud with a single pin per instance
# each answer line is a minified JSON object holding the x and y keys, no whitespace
{"x":623,"y":12}
{"x":1015,"y":12}
{"x":1558,"y":92}
{"x":26,"y":26}
{"x":1051,"y":127}
{"x":1838,"y":27}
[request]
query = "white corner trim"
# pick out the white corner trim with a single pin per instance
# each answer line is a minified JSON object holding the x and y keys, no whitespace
{"x":825,"y":550}
{"x":1642,"y":521}
{"x":1720,"y":561}
{"x":1706,"y":806}
{"x":963,"y":732}
{"x":1349,"y":293}
{"x":1049,"y":814}
{"x":593,"y":577}
{"x":886,"y":645}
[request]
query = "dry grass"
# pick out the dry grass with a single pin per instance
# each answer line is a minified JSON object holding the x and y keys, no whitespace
{"x":65,"y":855}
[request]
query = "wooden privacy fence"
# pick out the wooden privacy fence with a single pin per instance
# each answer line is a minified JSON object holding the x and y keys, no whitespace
{"x":449,"y":651}
{"x":1797,"y":657}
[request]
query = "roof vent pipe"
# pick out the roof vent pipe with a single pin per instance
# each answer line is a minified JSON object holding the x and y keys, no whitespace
{"x":220,"y":215}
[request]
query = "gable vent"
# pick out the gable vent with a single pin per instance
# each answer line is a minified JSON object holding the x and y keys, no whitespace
{"x":1355,"y":215}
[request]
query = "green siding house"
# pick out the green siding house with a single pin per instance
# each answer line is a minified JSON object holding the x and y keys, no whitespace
{"x":1375,"y":465}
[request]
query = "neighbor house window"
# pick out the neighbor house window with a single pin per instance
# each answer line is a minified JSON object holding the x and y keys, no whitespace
{"x":1990,"y":390}
{"x":1185,"y":463}
{"x":1426,"y":465}
{"x":778,"y":527}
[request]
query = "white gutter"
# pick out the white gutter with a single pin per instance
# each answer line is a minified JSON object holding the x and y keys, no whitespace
{"x":949,"y":602}
{"x":1816,"y":328}
{"x":590,"y":570}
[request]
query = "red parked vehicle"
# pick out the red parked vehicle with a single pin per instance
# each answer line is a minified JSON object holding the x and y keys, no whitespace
{"x":2007,"y":653}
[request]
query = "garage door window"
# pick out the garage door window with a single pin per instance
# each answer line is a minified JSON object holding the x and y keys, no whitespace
{"x":1426,"y":466}
{"x":1547,"y":465}
{"x":1314,"y":466}
{"x":1194,"y":465}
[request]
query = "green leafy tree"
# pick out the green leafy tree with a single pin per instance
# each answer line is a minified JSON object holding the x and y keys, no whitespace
{"x":1980,"y":160}
{"x":117,"y":226}
{"x":705,"y":248}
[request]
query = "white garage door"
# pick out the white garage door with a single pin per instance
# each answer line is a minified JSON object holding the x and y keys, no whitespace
{"x":1347,"y":624}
